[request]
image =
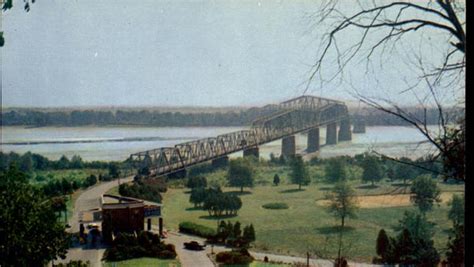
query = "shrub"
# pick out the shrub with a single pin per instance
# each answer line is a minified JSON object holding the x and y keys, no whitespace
{"x":73,"y":263}
{"x":167,"y":254}
{"x":275,"y":206}
{"x":197,"y":229}
{"x":234,"y":257}
{"x":145,"y":244}
{"x":148,"y":189}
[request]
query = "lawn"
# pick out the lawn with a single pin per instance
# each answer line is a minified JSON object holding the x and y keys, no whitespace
{"x":305,"y":225}
{"x":143,"y":262}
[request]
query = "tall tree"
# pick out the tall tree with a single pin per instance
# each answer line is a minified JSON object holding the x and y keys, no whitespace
{"x":456,"y":212}
{"x":30,"y":234}
{"x":114,"y":171}
{"x":335,"y":170}
{"x":404,"y":171}
{"x":414,"y":244}
{"x":299,"y":172}
{"x":26,"y":162}
{"x":383,"y":245}
{"x":240,"y":173}
{"x":276,"y":180}
{"x":456,"y":249}
{"x":63,"y":162}
{"x":388,"y":30}
{"x":342,"y":205}
{"x":196,"y":181}
{"x":76,"y":162}
{"x":425,"y":192}
{"x":372,"y":171}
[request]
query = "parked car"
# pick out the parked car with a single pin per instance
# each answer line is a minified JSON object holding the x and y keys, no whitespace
{"x":193,"y":245}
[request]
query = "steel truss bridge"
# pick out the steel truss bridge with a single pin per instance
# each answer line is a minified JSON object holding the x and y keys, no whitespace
{"x":285,"y":119}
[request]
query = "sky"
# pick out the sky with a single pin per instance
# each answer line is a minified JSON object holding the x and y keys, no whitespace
{"x":175,"y":53}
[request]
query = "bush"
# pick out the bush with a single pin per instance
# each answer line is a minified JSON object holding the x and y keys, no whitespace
{"x":167,"y":254}
{"x":197,"y":229}
{"x":145,"y":244}
{"x":234,"y":257}
{"x":148,"y":189}
{"x":73,"y":263}
{"x":275,"y":206}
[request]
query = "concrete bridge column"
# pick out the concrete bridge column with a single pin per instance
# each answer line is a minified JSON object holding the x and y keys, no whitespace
{"x":345,"y":133}
{"x":220,"y":162}
{"x":288,"y":146}
{"x":253,"y":151}
{"x":359,"y":126}
{"x":313,"y":140}
{"x":331,"y":134}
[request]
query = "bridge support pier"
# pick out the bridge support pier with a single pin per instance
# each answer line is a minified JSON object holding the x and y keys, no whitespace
{"x":331,"y":134}
{"x":220,"y":162}
{"x":359,"y":126}
{"x":253,"y":151}
{"x":345,"y":133}
{"x":288,"y":146}
{"x":313,"y":140}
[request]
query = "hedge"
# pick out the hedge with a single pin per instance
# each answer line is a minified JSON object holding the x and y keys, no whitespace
{"x":234,"y":257}
{"x":197,"y":229}
{"x":275,"y":206}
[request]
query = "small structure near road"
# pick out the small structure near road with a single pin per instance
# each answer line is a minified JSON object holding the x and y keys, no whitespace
{"x":125,"y":214}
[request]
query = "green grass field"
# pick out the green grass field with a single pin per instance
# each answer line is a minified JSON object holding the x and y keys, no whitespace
{"x":143,"y":262}
{"x":306,"y":226}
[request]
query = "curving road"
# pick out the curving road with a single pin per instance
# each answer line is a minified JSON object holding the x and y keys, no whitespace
{"x":88,"y":200}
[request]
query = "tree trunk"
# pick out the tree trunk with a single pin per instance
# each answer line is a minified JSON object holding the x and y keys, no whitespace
{"x":340,"y":242}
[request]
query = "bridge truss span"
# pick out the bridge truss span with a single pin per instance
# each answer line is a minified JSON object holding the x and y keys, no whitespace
{"x":291,"y":117}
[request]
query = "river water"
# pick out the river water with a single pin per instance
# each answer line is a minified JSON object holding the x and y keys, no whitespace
{"x":117,"y":143}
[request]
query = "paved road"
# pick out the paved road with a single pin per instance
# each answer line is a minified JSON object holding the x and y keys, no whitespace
{"x":189,"y":258}
{"x":200,"y":258}
{"x":88,"y":200}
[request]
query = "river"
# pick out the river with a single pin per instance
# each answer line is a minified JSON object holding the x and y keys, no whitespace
{"x":118,"y":142}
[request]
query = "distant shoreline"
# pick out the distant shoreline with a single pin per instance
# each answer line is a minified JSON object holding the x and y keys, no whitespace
{"x":196,"y":117}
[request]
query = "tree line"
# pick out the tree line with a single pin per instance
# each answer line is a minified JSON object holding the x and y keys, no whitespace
{"x":31,"y":117}
{"x":30,"y":162}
